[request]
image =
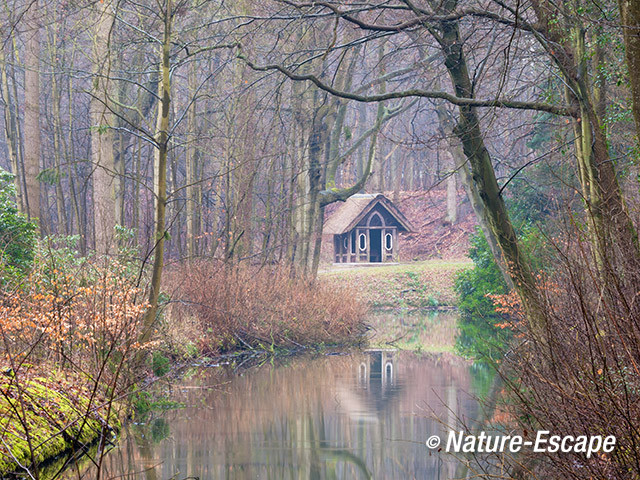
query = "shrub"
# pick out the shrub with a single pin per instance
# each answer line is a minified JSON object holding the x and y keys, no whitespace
{"x":73,"y":340}
{"x":579,"y":375}
{"x":57,"y":314}
{"x":17,"y":234}
{"x":482,"y":328}
{"x":479,"y":337}
{"x":246,"y":307}
{"x":160,"y":364}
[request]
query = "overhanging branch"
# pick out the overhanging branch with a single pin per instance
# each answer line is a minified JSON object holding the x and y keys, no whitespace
{"x":415,"y":92}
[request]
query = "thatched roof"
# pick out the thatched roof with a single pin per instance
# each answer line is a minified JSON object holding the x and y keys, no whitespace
{"x":356,"y":208}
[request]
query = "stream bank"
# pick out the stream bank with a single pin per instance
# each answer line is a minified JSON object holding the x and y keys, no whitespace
{"x":416,"y":286}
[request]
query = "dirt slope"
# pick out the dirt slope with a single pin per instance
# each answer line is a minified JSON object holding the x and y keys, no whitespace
{"x":435,"y":237}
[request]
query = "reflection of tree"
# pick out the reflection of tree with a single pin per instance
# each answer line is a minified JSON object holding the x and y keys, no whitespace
{"x":145,"y":450}
{"x":348,"y":457}
{"x":470,"y":464}
{"x":320,"y":450}
{"x":159,"y":430}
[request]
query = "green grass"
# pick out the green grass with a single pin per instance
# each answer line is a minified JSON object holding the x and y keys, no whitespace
{"x":426,"y":284}
{"x":426,"y":265}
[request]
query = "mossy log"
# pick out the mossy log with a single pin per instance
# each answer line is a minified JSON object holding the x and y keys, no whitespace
{"x":42,"y":418}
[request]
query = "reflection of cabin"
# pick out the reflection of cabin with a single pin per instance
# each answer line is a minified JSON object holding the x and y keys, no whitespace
{"x":365,"y":229}
{"x":379,"y":365}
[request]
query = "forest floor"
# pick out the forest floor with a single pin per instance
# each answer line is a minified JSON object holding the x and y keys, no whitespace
{"x":434,"y":237}
{"x":425,"y":284}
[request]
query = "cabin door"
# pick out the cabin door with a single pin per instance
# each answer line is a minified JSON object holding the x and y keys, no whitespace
{"x":375,"y":237}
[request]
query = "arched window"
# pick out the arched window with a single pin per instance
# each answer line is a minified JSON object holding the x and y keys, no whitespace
{"x":388,"y":241}
{"x":362,"y":242}
{"x":345,"y":243}
{"x":375,"y":220}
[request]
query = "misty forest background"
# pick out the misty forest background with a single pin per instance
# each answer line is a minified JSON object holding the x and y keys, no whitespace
{"x":252,"y":157}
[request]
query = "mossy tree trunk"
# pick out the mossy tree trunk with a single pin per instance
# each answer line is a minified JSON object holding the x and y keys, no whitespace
{"x":563,"y":34}
{"x":493,"y":212}
{"x":461,"y":165}
{"x":630,"y":20}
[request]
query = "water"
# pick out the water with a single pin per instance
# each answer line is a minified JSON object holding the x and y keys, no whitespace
{"x":364,"y":414}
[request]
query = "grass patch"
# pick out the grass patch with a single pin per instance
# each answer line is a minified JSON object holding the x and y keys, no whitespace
{"x":427,"y":284}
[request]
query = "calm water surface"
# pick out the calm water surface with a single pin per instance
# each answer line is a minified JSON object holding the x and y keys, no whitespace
{"x":364,"y":414}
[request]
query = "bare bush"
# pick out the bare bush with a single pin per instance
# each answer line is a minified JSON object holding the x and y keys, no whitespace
{"x":580,"y":376}
{"x":244,"y":306}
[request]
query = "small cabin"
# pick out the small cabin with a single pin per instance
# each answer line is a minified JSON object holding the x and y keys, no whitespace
{"x":365,"y":230}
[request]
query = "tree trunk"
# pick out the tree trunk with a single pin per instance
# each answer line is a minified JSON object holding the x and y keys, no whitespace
{"x":494,"y":212}
{"x":191,"y":160}
{"x":398,"y":166}
{"x":137,"y":182}
{"x":452,"y":188}
{"x":610,"y":223}
{"x":62,"y":228}
{"x":11,"y":130}
{"x":57,"y":149}
{"x":162,"y":147}
{"x":377,"y":184}
{"x":475,"y":198}
{"x":120,"y":147}
{"x":32,"y":113}
{"x":630,"y":20}
{"x":73,"y":174}
{"x":312,"y":209}
{"x":102,"y":122}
